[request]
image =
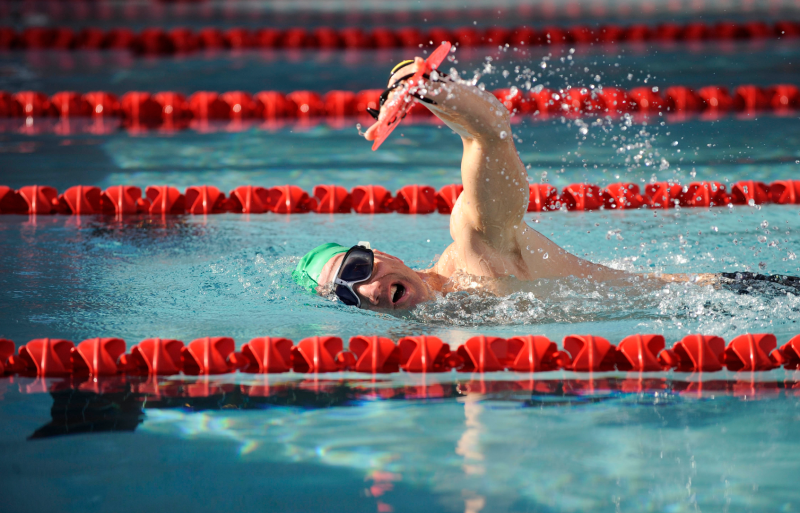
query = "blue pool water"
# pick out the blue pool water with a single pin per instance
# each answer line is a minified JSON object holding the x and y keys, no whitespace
{"x":554,"y":441}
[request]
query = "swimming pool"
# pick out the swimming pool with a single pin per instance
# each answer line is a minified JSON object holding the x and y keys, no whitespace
{"x":553,"y":441}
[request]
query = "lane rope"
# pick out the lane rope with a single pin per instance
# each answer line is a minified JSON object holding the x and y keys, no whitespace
{"x":46,"y":357}
{"x":241,"y":110}
{"x":160,"y":200}
{"x":158,"y":41}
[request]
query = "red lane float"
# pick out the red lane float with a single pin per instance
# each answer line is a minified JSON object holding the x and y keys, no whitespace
{"x":789,"y":354}
{"x":40,"y":199}
{"x":682,"y":99}
{"x":542,"y":197}
{"x":154,"y":356}
{"x":123,"y":200}
{"x":750,"y":193}
{"x":415,"y":199}
{"x":478,"y":354}
{"x":447,"y":196}
{"x":530,"y":353}
{"x":704,"y":194}
{"x":290,"y":199}
{"x":423,"y":354}
{"x":268,"y":355}
{"x":783,"y":97}
{"x":582,"y":196}
{"x":715,"y":99}
{"x":339,"y":104}
{"x":248,"y":199}
{"x":70,"y":104}
{"x":140,"y":108}
{"x":750,"y":98}
{"x":98,"y":356}
{"x":102,"y":103}
{"x":207,"y":105}
{"x":614,"y":100}
{"x":371,"y":199}
{"x":208,"y":355}
{"x":645,"y":99}
{"x":82,"y":200}
{"x":621,"y":196}
{"x":174,"y":108}
{"x":11,"y":201}
{"x":785,"y":192}
{"x":589,"y":353}
{"x":9,"y":106}
{"x":6,"y":351}
{"x":205,"y":199}
{"x":375,"y":355}
{"x":662,"y":194}
{"x":751,"y":353}
{"x":332,"y":199}
{"x":640,"y":353}
{"x":309,"y":104}
{"x":274,"y":105}
{"x":165,"y":200}
{"x":35,"y":104}
{"x":47,"y":357}
{"x":696,"y":353}
{"x":317,"y":355}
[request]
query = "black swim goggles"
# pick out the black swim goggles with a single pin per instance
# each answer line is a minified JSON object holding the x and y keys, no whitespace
{"x":357,"y":266}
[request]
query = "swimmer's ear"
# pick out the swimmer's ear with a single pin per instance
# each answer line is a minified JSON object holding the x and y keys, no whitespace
{"x":386,"y":255}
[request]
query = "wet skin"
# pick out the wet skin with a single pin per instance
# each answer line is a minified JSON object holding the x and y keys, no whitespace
{"x":490,"y":238}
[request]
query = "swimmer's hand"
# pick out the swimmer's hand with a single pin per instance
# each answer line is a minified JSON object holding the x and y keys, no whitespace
{"x":372,"y":132}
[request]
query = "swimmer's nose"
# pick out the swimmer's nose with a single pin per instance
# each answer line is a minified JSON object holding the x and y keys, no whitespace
{"x":370,"y":291}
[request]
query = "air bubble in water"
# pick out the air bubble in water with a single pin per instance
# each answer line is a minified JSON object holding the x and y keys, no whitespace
{"x":764,"y":224}
{"x":545,"y":256}
{"x":762,"y":265}
{"x":503,"y":134}
{"x":762,"y":238}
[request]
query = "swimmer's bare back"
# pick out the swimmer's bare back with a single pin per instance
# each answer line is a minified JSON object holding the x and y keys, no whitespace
{"x":490,"y":237}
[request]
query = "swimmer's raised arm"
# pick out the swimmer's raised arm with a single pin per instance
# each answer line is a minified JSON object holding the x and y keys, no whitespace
{"x":495,"y":182}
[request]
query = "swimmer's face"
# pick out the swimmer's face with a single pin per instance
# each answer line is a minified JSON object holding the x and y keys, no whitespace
{"x":392,"y":286}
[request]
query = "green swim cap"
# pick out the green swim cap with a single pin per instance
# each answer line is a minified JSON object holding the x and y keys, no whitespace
{"x":308,"y":269}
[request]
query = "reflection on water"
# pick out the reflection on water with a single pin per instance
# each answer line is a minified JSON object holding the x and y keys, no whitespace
{"x":553,"y":441}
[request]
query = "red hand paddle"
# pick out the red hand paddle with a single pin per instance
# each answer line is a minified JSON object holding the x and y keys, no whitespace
{"x":397,"y":109}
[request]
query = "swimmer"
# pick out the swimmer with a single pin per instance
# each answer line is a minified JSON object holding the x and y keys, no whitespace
{"x":491,"y":242}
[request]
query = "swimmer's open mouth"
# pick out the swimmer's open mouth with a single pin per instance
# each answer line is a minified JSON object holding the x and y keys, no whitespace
{"x":398,"y":291}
